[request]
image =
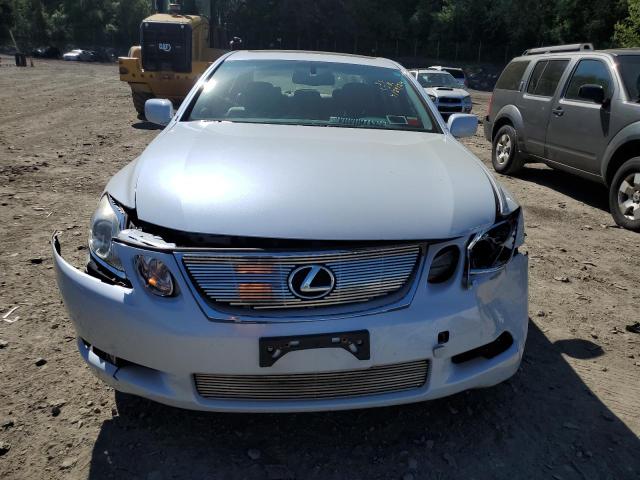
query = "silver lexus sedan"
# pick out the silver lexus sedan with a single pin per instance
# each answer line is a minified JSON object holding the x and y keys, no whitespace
{"x":306,"y":233}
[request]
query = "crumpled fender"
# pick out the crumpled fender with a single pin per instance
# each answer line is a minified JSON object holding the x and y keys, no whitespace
{"x":122,"y":185}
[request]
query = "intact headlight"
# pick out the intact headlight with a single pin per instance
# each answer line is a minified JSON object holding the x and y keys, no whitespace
{"x":106,"y":223}
{"x":491,"y":249}
{"x":432,"y":97}
{"x":466,"y":100}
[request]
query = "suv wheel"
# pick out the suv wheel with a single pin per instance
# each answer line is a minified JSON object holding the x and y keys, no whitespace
{"x":505,"y":156}
{"x":624,"y":195}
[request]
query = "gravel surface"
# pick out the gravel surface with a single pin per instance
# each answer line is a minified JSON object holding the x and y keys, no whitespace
{"x":571,"y":412}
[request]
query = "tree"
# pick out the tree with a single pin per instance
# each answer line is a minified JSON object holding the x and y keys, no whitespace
{"x":128,"y":14}
{"x":627,"y":31}
{"x":587,"y":20}
{"x":456,"y":28}
{"x":7,"y":18}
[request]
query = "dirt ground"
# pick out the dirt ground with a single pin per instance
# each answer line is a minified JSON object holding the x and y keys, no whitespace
{"x":571,"y":412}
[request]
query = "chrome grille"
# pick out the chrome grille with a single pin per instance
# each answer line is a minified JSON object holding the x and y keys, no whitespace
{"x":259,"y":280}
{"x":305,"y":386}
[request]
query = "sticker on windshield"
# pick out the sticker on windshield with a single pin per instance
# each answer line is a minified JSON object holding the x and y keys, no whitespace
{"x":357,"y":122}
{"x":414,"y":122}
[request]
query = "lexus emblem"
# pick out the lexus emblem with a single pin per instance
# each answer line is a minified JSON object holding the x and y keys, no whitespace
{"x":165,"y":47}
{"x":311,"y":282}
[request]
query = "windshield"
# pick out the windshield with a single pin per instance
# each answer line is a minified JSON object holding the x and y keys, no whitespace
{"x":630,"y":71}
{"x":437,"y":79}
{"x":294,"y":92}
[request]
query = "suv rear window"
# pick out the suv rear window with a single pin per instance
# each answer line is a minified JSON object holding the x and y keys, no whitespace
{"x":512,"y":75}
{"x":546,"y":76}
{"x":535,"y":77}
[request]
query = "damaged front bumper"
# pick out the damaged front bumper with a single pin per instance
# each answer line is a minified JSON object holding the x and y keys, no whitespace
{"x":153,"y":347}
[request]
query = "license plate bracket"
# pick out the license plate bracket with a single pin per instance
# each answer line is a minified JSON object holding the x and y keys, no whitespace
{"x":274,"y":348}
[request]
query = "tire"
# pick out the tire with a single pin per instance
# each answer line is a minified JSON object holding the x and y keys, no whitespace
{"x":505,"y":157}
{"x":624,"y":195}
{"x":139,"y":99}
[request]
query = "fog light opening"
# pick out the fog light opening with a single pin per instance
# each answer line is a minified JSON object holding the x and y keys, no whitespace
{"x":488,"y":351}
{"x":444,"y":264}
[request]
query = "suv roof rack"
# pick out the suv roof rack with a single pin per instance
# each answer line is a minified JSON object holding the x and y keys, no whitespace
{"x":573,"y":47}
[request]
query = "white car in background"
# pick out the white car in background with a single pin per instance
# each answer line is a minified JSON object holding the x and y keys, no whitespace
{"x":77,"y":55}
{"x":305,"y":234}
{"x":455,"y":72}
{"x":444,"y":91}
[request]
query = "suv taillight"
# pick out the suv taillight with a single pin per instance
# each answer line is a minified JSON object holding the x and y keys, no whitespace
{"x":490,"y":105}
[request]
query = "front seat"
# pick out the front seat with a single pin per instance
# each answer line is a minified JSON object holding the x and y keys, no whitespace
{"x":308,"y":104}
{"x":259,"y":99}
{"x":355,"y":100}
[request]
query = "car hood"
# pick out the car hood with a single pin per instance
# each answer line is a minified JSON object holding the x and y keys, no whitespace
{"x":301,"y":182}
{"x":447,"y":92}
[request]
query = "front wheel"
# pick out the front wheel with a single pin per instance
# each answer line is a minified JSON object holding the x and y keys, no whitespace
{"x":504,"y":155}
{"x":624,"y":195}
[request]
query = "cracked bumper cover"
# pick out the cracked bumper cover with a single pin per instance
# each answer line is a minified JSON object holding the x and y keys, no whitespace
{"x":168,"y":340}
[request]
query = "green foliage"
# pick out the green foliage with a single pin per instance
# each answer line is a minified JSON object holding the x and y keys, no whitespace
{"x":81,"y":22}
{"x":448,"y":28}
{"x":627,"y":31}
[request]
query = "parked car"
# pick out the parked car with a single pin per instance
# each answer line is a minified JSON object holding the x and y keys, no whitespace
{"x":444,"y":91}
{"x":300,"y":237}
{"x":78,"y":55}
{"x":104,"y":55}
{"x":46,"y":52}
{"x":482,"y":78}
{"x":455,"y":72}
{"x":576,"y":110}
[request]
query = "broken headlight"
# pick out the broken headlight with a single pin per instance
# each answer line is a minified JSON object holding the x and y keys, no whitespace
{"x":491,"y":249}
{"x":106,"y":223}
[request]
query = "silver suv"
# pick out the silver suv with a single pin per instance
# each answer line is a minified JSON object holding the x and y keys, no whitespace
{"x":577,"y":110}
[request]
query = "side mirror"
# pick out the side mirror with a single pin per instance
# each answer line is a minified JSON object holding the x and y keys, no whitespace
{"x":158,"y":111}
{"x":595,"y":93}
{"x":462,"y":125}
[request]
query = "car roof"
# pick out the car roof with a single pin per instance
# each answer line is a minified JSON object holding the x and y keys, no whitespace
{"x":315,"y":56}
{"x":622,"y":51}
{"x":430,"y":70}
{"x":582,"y":53}
{"x":448,"y":68}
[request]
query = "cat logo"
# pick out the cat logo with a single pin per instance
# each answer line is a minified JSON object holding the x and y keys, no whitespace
{"x":165,"y":47}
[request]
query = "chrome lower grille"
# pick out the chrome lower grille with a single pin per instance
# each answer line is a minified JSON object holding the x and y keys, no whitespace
{"x":309,"y":386}
{"x":260,"y":280}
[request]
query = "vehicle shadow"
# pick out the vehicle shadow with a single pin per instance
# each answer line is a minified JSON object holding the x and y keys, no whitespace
{"x":144,"y":125}
{"x":543,"y":423}
{"x":591,"y":193}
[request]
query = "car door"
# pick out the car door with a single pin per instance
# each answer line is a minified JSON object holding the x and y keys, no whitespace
{"x":536,"y":101}
{"x":578,"y":128}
